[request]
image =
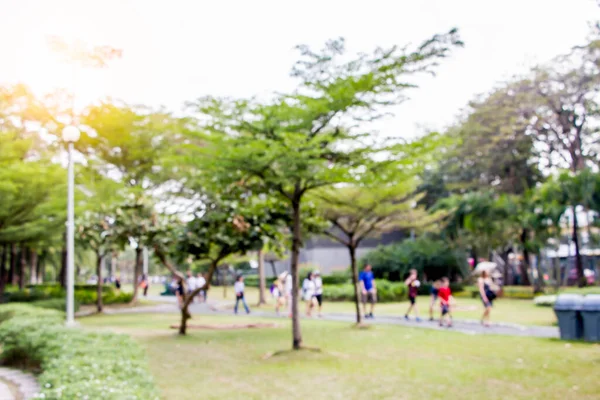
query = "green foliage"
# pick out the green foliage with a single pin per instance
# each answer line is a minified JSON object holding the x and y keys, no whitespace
{"x":74,"y":363}
{"x":54,"y":304}
{"x":434,"y":258}
{"x":84,"y":294}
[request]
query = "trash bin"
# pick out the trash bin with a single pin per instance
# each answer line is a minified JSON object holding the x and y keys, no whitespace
{"x":568,"y":312}
{"x":590,"y":311}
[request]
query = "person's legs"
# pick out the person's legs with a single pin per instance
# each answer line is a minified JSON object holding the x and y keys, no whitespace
{"x":363,"y":300}
{"x":320,"y":302}
{"x":373,"y":301}
{"x":245,"y":305}
{"x":410,"y":307}
{"x":235,"y":308}
{"x":431,"y":305}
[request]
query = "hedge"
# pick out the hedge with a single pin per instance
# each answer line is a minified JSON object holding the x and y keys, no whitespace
{"x":508,"y":292}
{"x":74,"y":364}
{"x":83,"y":296}
{"x":336,"y":278}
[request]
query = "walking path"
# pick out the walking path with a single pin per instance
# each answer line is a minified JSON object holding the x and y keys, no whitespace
{"x":464,"y":326}
{"x":25,"y":384}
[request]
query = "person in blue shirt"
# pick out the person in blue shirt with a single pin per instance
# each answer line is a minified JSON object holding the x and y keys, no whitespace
{"x":368,"y":289}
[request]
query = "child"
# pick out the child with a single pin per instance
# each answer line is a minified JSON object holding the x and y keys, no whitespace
{"x":434,"y":295}
{"x":239,"y":294}
{"x":276,"y":289}
{"x":413,"y":289}
{"x":445,"y":295}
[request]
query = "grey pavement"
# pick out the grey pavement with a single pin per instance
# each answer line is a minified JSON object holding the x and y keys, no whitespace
{"x":468,"y":327}
{"x":25,"y":383}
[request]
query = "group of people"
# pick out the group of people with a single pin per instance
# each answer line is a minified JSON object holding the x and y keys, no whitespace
{"x":440,"y":290}
{"x":312,"y":292}
{"x":191,"y":284}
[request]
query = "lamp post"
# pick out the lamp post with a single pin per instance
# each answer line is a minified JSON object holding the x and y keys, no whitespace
{"x":70,"y":135}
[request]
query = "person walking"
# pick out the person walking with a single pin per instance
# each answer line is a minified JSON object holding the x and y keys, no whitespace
{"x":144,"y":284}
{"x":446,"y":301}
{"x":191,"y":283}
{"x":179,"y":292}
{"x":318,"y":290}
{"x":435,"y":287}
{"x":239,"y":287}
{"x":487,"y":294}
{"x":308,"y":293}
{"x":368,"y":289}
{"x":413,"y":290}
{"x":200,"y":282}
{"x":277,"y":293}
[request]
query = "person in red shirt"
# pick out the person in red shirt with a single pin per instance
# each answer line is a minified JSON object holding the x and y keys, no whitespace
{"x":445,"y":295}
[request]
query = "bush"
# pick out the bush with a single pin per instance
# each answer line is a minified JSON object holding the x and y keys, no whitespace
{"x":545,"y":301}
{"x":386,"y":292}
{"x":430,"y":257}
{"x":425,"y":288}
{"x":84,"y":294}
{"x":54,"y":304}
{"x":74,"y":363}
{"x":252,"y":281}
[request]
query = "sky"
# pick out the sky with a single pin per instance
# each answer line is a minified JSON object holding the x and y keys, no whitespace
{"x":179,"y":50}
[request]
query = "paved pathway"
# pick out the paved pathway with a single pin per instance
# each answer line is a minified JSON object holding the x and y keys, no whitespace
{"x":25,"y":383}
{"x":464,"y":326}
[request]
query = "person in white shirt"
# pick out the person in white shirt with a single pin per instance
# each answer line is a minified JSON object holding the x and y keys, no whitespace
{"x":239,"y":294}
{"x":191,"y":283}
{"x":308,"y":293}
{"x":200,"y":282}
{"x":318,"y":290}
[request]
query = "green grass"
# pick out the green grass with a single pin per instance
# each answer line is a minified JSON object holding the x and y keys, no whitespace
{"x":385,"y":362}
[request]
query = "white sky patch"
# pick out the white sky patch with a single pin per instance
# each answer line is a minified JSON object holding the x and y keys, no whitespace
{"x":181,"y":50}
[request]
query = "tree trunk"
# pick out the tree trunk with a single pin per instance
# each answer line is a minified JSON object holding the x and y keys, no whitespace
{"x":273,"y":268}
{"x":22,"y":268}
{"x":3,"y":271}
{"x":525,"y":264}
{"x":185,"y":313}
{"x":352,"y":250}
{"x":136,"y":273}
{"x":296,"y":243}
{"x":99,"y":259}
{"x":262,"y":284}
{"x":12,"y":274}
{"x":33,"y":261}
{"x":578,"y":261}
{"x":39,"y":268}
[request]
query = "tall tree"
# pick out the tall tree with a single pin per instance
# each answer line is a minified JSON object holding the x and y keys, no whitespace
{"x":314,"y":137}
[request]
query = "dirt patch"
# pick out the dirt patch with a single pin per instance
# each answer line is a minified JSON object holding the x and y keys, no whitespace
{"x":228,"y":326}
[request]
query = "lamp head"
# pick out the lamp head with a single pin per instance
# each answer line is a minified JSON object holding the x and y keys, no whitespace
{"x":70,"y":134}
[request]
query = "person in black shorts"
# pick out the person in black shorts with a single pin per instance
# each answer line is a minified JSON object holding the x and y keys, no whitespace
{"x":318,"y":290}
{"x":180,"y":292}
{"x":435,"y":287}
{"x":413,"y":290}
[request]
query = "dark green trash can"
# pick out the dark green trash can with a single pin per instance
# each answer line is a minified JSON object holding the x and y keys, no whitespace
{"x":590,"y":311}
{"x":568,"y":312}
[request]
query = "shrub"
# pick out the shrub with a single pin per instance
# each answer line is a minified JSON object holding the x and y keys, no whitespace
{"x":84,"y":294}
{"x":386,"y":292}
{"x":74,"y":363}
{"x":434,"y":258}
{"x":545,"y":301}
{"x":54,"y":304}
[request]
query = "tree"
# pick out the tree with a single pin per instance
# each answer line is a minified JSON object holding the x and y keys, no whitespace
{"x":314,"y":137}
{"x":95,"y":232}
{"x":221,"y":228}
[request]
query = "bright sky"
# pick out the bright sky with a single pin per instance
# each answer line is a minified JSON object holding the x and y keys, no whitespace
{"x":180,"y":50}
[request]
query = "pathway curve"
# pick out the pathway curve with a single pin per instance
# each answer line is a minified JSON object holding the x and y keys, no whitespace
{"x":25,"y":383}
{"x":464,"y":326}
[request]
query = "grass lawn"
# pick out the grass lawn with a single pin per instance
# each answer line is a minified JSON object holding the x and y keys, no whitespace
{"x":522,"y":312}
{"x":385,"y":362}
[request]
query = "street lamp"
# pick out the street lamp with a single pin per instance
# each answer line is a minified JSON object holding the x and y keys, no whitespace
{"x":70,"y":135}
